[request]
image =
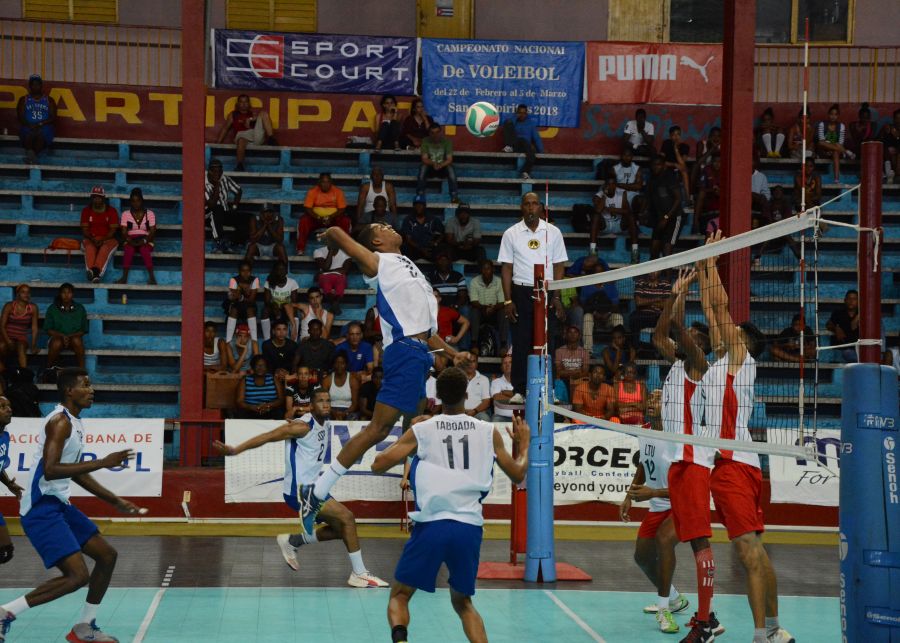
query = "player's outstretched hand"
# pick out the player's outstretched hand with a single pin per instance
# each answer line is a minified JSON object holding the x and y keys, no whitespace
{"x":325,"y":237}
{"x":640,"y":492}
{"x":520,"y":433}
{"x":624,"y":509}
{"x":686,"y":277}
{"x":15,"y":489}
{"x":462,"y":358}
{"x":128,"y":507}
{"x":117,"y":459}
{"x":222,"y":448}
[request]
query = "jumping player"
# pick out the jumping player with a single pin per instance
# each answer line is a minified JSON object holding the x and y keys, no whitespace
{"x":6,"y":546}
{"x":736,"y":480}
{"x":305,"y":442}
{"x":408,"y":313}
{"x":60,"y":533}
{"x":451,"y":474}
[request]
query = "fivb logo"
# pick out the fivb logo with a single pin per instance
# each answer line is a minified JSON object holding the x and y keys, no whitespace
{"x":648,"y":67}
{"x":262,"y":56}
{"x":890,"y":461}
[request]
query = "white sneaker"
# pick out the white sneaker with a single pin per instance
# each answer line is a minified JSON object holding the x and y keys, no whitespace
{"x":849,"y":154}
{"x":666,"y":622}
{"x":526,"y":176}
{"x":781,"y":635}
{"x":288,"y":551}
{"x":680,"y":604}
{"x":517,"y":399}
{"x":365,"y":580}
{"x":507,"y":148}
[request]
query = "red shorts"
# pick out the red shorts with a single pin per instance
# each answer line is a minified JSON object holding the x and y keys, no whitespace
{"x":652,"y":522}
{"x":737,"y":491}
{"x":689,"y":495}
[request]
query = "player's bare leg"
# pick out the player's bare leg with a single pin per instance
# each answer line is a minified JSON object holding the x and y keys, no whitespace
{"x":752,"y":556}
{"x":398,"y":611}
{"x":472,"y":624}
{"x":666,"y":540}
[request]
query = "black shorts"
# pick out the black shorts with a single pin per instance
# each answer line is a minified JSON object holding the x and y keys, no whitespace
{"x":243,"y":307}
{"x":668,"y":231}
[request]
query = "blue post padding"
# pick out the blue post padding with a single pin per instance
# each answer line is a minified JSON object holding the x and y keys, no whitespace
{"x":870,"y":505}
{"x":540,"y":561}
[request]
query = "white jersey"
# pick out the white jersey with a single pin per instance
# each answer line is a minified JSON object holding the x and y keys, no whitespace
{"x":729,"y":405}
{"x":303,"y":457}
{"x":453,"y":469}
{"x":404,"y":299}
{"x":39,"y":486}
{"x":682,"y":410}
{"x":627,"y":175}
{"x":614,"y":201}
{"x":308,"y":317}
{"x":656,"y":456}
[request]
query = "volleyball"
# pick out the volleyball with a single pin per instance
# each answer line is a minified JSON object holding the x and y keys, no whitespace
{"x":482,"y":119}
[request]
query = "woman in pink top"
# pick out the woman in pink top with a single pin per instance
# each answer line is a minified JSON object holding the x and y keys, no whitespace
{"x":18,"y":318}
{"x":139,"y":226}
{"x":631,"y":396}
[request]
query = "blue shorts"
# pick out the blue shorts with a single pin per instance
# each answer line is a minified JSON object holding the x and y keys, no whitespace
{"x":46,"y":132}
{"x":406,"y":363}
{"x":450,"y":542}
{"x":56,"y":530}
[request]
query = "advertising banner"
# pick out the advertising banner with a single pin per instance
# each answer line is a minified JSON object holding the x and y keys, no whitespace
{"x":319,"y":63}
{"x":141,"y":478}
{"x":638,"y":73}
{"x":804,"y":482}
{"x":546,"y":76}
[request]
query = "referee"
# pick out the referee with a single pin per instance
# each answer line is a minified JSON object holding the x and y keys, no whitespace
{"x":530,"y":241}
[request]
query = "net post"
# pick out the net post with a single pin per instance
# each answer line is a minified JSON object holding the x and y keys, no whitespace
{"x":869,"y":263}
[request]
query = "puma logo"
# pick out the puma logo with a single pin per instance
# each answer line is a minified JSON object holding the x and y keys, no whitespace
{"x":689,"y":62}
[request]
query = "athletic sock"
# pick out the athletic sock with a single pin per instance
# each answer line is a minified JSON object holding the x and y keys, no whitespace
{"x":88,"y":613}
{"x":399,"y":634}
{"x":888,"y":168}
{"x":767,"y":142}
{"x":772,"y":625}
{"x":298,"y":540}
{"x":254,"y":333}
{"x":706,"y":574}
{"x":662,"y":603}
{"x":759,"y":635}
{"x":673,"y":593}
{"x":356,"y":560}
{"x":266,"y":327}
{"x":634,"y":246}
{"x":593,"y":248}
{"x":779,"y":141}
{"x":18,"y":606}
{"x":230,"y":325}
{"x":327,"y":479}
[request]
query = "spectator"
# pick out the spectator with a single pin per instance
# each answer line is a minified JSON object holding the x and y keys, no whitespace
{"x":370,"y":190}
{"x":309,"y":312}
{"x":831,"y":139}
{"x":478,"y":391}
{"x":630,"y":177}
{"x":760,"y":195}
{"x":797,"y":136}
{"x":665,"y":213}
{"x":344,"y":389}
{"x":387,"y":125}
{"x":597,"y":306}
{"x":415,"y":126}
{"x":769,"y":137}
{"x":332,"y":264}
{"x":709,"y":147}
{"x":139,"y":226}
{"x":266,"y":235}
{"x":676,"y":154}
{"x":463,"y":235}
{"x":66,"y":323}
{"x":619,"y":352}
{"x":421,"y":232}
{"x":571,"y":361}
{"x":779,"y":209}
{"x":215,"y":352}
{"x":99,"y":225}
{"x":449,"y":282}
{"x":37,"y":117}
{"x":432,"y":401}
{"x":324,"y":206}
{"x":315,"y":352}
{"x":279,"y":291}
{"x":890,"y":137}
{"x":248,"y":129}
{"x":372,"y":326}
{"x":380,"y":214}
{"x":437,"y":160}
{"x":448,"y":321}
{"x":242,"y":350}
{"x":786,"y":347}
{"x":813,"y":187}
{"x":593,"y":396}
{"x":298,"y":394}
{"x":502,"y":390}
{"x":223,"y":196}
{"x":260,"y":394}
{"x":368,"y":392}
{"x":640,"y":135}
{"x":650,"y":294}
{"x":631,"y":396}
{"x":279,"y":351}
{"x":862,"y":130}
{"x":359,"y":354}
{"x":612,"y":215}
{"x":17,"y":319}
{"x":706,"y":210}
{"x":844,"y":324}
{"x":486,"y":307}
{"x":240,"y":303}
{"x":520,"y":135}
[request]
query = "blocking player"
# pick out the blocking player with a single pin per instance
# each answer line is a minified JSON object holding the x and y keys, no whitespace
{"x":408,"y":313}
{"x":305,"y":441}
{"x":60,"y":533}
{"x":654,"y":550}
{"x":6,"y":545}
{"x":451,"y":474}
{"x":736,"y":479}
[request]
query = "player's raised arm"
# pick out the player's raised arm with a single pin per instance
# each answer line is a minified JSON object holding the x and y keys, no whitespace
{"x":704,"y":268}
{"x":718,"y":301}
{"x":284,"y":432}
{"x":671,"y":313}
{"x":58,"y":430}
{"x":397,"y":452}
{"x":517,"y":467}
{"x":694,"y":357}
{"x":367,"y":260}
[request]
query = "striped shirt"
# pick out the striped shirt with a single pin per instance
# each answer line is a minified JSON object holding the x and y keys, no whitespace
{"x":448,"y":285}
{"x":254,"y":394}
{"x":834,"y":136}
{"x":226,"y":187}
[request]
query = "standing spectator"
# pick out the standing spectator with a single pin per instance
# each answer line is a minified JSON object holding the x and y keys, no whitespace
{"x":844,"y":324}
{"x":240,"y":303}
{"x":324,"y":206}
{"x":260,"y":394}
{"x":370,"y":190}
{"x":266,"y":235}
{"x":769,"y":137}
{"x":502,"y":390}
{"x":139,"y":227}
{"x":279,"y":351}
{"x":99,"y":225}
{"x":463,"y":235}
{"x":449,"y":282}
{"x":709,"y":194}
{"x":387,"y":125}
{"x":344,"y":389}
{"x":478,"y":391}
{"x":248,"y":129}
{"x":451,"y":325}
{"x":862,"y":130}
{"x":520,"y":135}
{"x":760,"y":195}
{"x":37,"y":116}
{"x":594,"y":396}
{"x":890,"y":137}
{"x":619,"y":352}
{"x":526,"y":243}
{"x":368,"y":393}
{"x":279,"y":291}
{"x":639,"y":135}
{"x":675,"y":153}
{"x":831,"y":139}
{"x":359,"y":354}
{"x":241,"y":350}
{"x":18,"y":318}
{"x":421,"y":232}
{"x":66,"y":323}
{"x":309,"y":312}
{"x":665,"y":213}
{"x":630,"y":177}
{"x":486,"y":306}
{"x":415,"y":126}
{"x":612,"y":215}
{"x":631,"y":396}
{"x":223,"y":196}
{"x":332,"y":264}
{"x":797,"y":135}
{"x":215,"y":351}
{"x":813,"y":187}
{"x":571,"y":361}
{"x":786,"y":347}
{"x":298,"y":395}
{"x":650,"y":294}
{"x":437,"y":161}
{"x":315,"y":352}
{"x":709,"y":147}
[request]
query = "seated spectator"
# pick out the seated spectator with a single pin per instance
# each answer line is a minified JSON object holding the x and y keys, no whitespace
{"x":298,"y":394}
{"x":779,"y":208}
{"x":463,"y":235}
{"x":332,"y":264}
{"x":99,"y":226}
{"x":415,"y":126}
{"x":640,"y":135}
{"x":844,"y":324}
{"x":19,"y":318}
{"x":370,"y":190}
{"x":797,"y":135}
{"x":650,"y":294}
{"x":478,"y":391}
{"x":241,"y":350}
{"x":665,"y":214}
{"x":448,"y":321}
{"x":248,"y":129}
{"x":380,"y":214}
{"x":315,"y":352}
{"x":502,"y":390}
{"x":37,"y":116}
{"x":66,"y":323}
{"x":597,"y":305}
{"x":240,"y":302}
{"x":786,"y":347}
{"x":307,"y":313}
{"x":676,"y":153}
{"x":831,"y":140}
{"x":631,"y":396}
{"x":359,"y":354}
{"x":862,"y":130}
{"x":279,"y":351}
{"x":432,"y":401}
{"x":630,"y":177}
{"x":571,"y":361}
{"x":139,"y":228}
{"x":760,"y":195}
{"x":707,"y":207}
{"x":387,"y":124}
{"x":372,"y":326}
{"x":619,"y":352}
{"x":222,"y":198}
{"x":215,"y":351}
{"x":260,"y":394}
{"x":266,"y":235}
{"x":344,"y":389}
{"x":707,"y":148}
{"x":769,"y":137}
{"x":486,"y":307}
{"x":422,"y":232}
{"x":368,"y":393}
{"x":813,"y":187}
{"x":520,"y":135}
{"x":449,"y":282}
{"x":279,"y":291}
{"x":324,"y":206}
{"x":890,"y":137}
{"x":437,"y":161}
{"x":593,"y":396}
{"x":612,"y":215}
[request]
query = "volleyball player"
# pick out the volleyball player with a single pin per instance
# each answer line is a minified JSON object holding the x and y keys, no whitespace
{"x":305,"y":441}
{"x":6,"y":546}
{"x":408,"y":313}
{"x":736,"y":479}
{"x":60,"y":533}
{"x":450,"y":474}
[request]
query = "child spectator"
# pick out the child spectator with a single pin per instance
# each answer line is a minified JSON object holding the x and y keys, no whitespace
{"x":344,"y":389}
{"x":333,"y":265}
{"x":786,"y":347}
{"x":449,"y":318}
{"x":241,"y":350}
{"x":222,"y":198}
{"x":215,"y":351}
{"x":463,"y":235}
{"x":619,"y":352}
{"x":240,"y":303}
{"x":631,"y":396}
{"x":19,"y":318}
{"x":260,"y":394}
{"x":862,"y":130}
{"x":769,"y":137}
{"x":309,"y":312}
{"x":279,"y":351}
{"x":66,"y":323}
{"x":437,"y":161}
{"x":279,"y":291}
{"x":612,"y":215}
{"x":640,"y":134}
{"x":415,"y":126}
{"x":99,"y":225}
{"x":370,"y":190}
{"x":298,"y":394}
{"x":139,"y":225}
{"x":520,"y":134}
{"x":324,"y":206}
{"x":315,"y":352}
{"x":594,"y":396}
{"x":359,"y":354}
{"x":368,"y":392}
{"x":248,"y":128}
{"x":37,"y":116}
{"x":387,"y":124}
{"x":831,"y":139}
{"x":797,"y":135}
{"x":266,"y":235}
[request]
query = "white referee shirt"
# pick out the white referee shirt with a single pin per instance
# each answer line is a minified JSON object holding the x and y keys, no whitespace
{"x":523,"y":248}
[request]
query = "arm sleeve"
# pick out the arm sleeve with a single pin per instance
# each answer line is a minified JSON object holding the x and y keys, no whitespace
{"x":536,"y":139}
{"x":506,"y":250}
{"x":341,"y":199}
{"x":558,"y":247}
{"x":310,"y":199}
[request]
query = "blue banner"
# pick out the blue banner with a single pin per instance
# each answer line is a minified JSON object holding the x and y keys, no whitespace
{"x":314,"y":63}
{"x":546,"y":76}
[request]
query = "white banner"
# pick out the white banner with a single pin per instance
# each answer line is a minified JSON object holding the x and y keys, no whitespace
{"x":592,"y":464}
{"x":804,"y":482}
{"x":142,"y":477}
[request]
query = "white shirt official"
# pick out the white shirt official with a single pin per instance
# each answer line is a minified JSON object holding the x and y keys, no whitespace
{"x":523,"y":248}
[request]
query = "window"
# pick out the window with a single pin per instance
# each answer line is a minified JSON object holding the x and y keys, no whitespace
{"x":272,"y":15}
{"x":106,"y":11}
{"x":829,"y":20}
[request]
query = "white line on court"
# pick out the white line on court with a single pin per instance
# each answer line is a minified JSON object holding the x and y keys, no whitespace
{"x":154,"y":605}
{"x":572,"y":615}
